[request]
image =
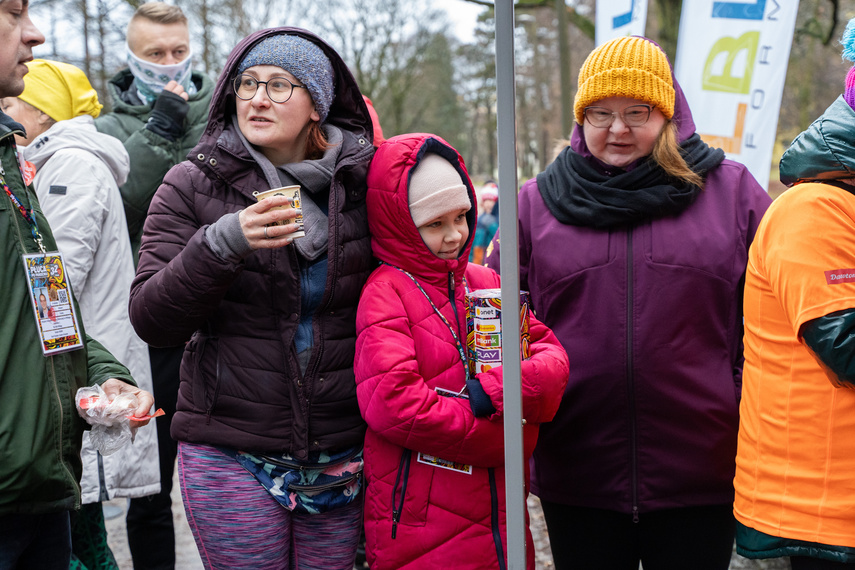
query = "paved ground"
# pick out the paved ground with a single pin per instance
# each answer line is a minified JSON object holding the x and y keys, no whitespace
{"x":187,"y":557}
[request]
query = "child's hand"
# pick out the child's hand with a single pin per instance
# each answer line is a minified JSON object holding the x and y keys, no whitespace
{"x":479,"y":401}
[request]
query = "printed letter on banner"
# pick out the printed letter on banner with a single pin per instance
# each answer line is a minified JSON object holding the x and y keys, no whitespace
{"x":615,"y":18}
{"x":731,"y":63}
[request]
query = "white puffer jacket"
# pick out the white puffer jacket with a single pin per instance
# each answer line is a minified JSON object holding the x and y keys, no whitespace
{"x":78,"y":174}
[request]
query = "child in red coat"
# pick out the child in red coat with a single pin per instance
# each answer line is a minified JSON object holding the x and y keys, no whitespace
{"x":434,"y":450}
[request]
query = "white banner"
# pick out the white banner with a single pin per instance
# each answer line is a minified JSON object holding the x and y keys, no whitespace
{"x":617,"y":18}
{"x":732,"y":62}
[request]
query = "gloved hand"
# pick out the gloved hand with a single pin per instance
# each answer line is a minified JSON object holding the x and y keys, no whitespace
{"x":479,"y":401}
{"x":167,"y":115}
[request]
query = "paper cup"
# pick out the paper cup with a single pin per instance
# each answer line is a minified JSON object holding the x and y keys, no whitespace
{"x":292,"y":192}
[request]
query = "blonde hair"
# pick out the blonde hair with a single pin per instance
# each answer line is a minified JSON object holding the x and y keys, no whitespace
{"x":666,"y":153}
{"x":159,"y":13}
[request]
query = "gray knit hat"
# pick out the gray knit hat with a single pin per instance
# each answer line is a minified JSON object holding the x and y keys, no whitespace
{"x":436,"y":189}
{"x":302,"y":59}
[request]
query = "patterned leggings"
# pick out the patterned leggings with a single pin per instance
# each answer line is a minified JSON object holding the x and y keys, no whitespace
{"x":237,"y":524}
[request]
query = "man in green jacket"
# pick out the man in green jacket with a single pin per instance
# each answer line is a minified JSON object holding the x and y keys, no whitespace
{"x":160,"y":108}
{"x":160,"y":105}
{"x":40,"y":429}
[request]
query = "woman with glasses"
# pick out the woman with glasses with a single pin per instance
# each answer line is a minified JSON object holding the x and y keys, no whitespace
{"x":269,"y":431}
{"x":633,"y":244}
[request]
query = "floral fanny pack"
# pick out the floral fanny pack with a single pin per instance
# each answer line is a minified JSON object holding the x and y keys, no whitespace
{"x":320,"y":484}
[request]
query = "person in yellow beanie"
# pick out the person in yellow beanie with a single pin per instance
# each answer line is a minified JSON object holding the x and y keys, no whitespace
{"x":633,"y":244}
{"x":78,"y":173}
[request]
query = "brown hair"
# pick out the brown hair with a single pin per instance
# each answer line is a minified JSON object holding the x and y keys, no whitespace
{"x":316,"y":142}
{"x":667,"y":154}
{"x":159,"y":13}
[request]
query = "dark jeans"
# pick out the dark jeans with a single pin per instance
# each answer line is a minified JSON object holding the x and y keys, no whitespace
{"x":808,"y":563}
{"x":35,"y":541}
{"x":151,"y":535}
{"x":700,"y":538}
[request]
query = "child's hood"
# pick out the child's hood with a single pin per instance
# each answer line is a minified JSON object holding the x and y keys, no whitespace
{"x":395,"y":238}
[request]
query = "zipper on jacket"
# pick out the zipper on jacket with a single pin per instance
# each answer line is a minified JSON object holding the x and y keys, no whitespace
{"x":78,"y":500}
{"x":203,"y":345}
{"x":451,"y":298}
{"x":454,"y":308}
{"x":317,"y":350}
{"x":630,"y":381}
{"x":494,"y":518}
{"x":403,"y":469}
{"x":325,"y":486}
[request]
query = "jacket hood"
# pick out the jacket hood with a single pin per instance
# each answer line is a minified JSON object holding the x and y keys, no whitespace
{"x":348,"y":110}
{"x":682,"y":118}
{"x":824,"y":151}
{"x":80,"y":133}
{"x":395,"y":238}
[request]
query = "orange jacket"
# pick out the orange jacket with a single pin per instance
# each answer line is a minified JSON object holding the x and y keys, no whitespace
{"x":795,"y":466}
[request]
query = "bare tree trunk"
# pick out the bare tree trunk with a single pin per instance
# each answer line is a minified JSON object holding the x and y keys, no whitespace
{"x":566,"y":92}
{"x":205,"y":21}
{"x":102,"y":51}
{"x":669,"y":25}
{"x":84,"y":11}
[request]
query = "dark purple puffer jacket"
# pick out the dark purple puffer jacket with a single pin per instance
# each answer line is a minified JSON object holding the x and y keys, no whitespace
{"x":241,"y":385}
{"x":651,"y":317}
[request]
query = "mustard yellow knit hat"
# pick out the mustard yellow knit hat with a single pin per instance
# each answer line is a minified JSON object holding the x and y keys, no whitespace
{"x":628,"y":66}
{"x":59,"y":90}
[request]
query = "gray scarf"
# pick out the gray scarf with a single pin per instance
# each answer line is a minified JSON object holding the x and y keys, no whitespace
{"x":314,"y":178}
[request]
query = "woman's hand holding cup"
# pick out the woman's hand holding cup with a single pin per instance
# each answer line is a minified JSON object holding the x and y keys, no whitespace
{"x":275,"y":221}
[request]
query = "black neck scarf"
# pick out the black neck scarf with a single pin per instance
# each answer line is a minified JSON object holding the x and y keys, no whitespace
{"x":578,"y":194}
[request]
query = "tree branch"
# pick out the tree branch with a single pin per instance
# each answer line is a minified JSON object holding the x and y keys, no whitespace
{"x":583,"y":23}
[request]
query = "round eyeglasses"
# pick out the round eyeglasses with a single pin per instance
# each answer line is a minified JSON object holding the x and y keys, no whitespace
{"x":279,"y":89}
{"x":632,"y":116}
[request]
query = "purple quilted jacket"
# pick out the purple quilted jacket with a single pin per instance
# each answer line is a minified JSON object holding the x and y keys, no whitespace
{"x":241,"y":385}
{"x":651,"y":317}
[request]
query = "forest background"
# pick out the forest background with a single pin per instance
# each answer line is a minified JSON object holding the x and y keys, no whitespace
{"x":422,"y":76}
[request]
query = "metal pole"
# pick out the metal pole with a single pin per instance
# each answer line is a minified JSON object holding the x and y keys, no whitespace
{"x":514,"y":472}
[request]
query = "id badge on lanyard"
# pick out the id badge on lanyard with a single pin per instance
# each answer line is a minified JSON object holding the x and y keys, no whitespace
{"x":50,"y":293}
{"x":47,"y":282}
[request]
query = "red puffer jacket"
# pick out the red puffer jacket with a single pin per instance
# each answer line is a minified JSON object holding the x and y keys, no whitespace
{"x":416,"y":514}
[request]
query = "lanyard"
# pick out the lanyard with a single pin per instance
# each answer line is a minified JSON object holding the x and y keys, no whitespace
{"x":27,"y":214}
{"x":457,"y":342}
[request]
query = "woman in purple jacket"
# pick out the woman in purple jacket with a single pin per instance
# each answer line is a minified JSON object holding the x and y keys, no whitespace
{"x":633,"y":244}
{"x":269,"y":431}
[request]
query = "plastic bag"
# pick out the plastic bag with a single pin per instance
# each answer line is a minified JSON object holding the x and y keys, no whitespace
{"x":110,"y":420}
